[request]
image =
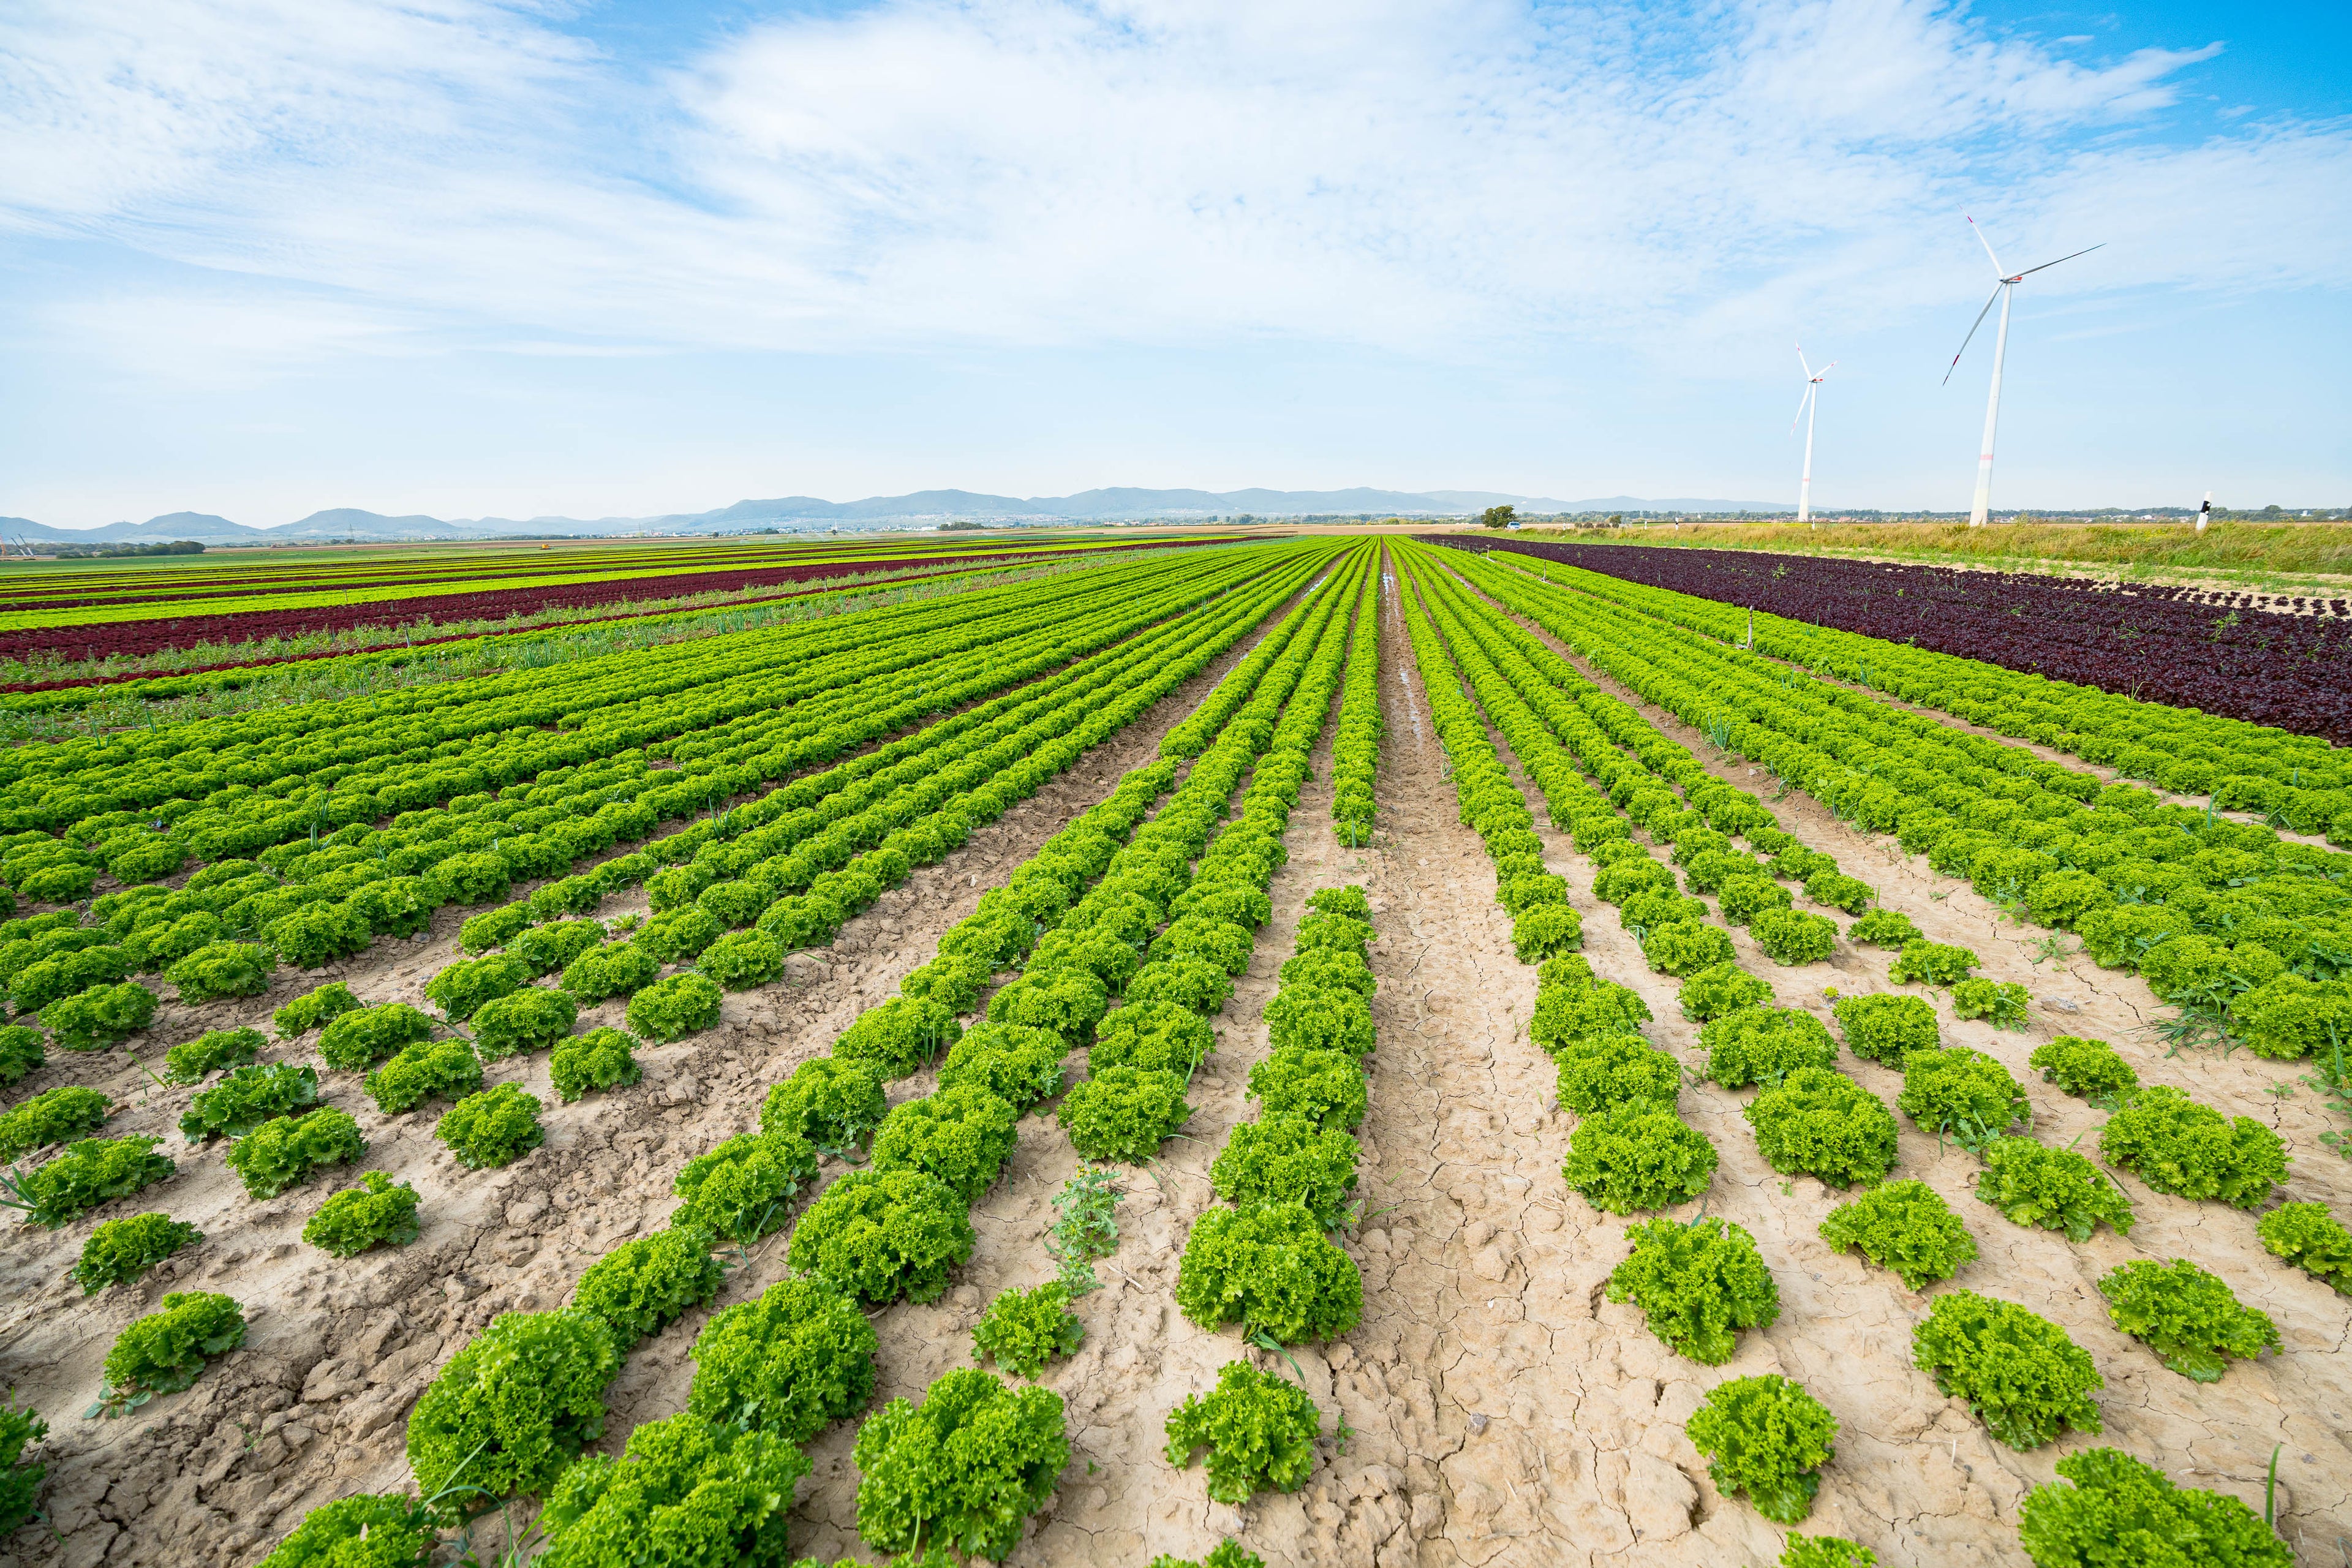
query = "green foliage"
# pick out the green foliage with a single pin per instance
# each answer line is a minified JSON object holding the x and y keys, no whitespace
{"x":120,"y":1251}
{"x":680,"y":935}
{"x":100,"y":1016}
{"x":1840,"y":892}
{"x":549,"y":948}
{"x":20,"y":1052}
{"x":361,"y":1039}
{"x":1270,"y":1270}
{"x":523,"y":1021}
{"x":369,"y":1530}
{"x":515,"y":1404}
{"x":1961,"y":1094}
{"x":1259,"y":1429}
{"x":2192,"y":1151}
{"x":1084,"y":1228}
{"x":964,"y":1469}
{"x":2056,"y":1189}
{"x":1600,"y":1072}
{"x":282,"y":1154}
{"x":2088,"y":1069}
{"x":2003,"y":1006}
{"x":1024,"y":1329}
{"x":222,"y":969}
{"x":494,"y":1128}
{"x":58,"y":1116}
{"x":615,"y":969}
{"x":1069,"y":1002}
{"x":20,"y":1480}
{"x":642,"y":1285}
{"x":962,"y":1136}
{"x":493,"y":927}
{"x":1723,"y":988}
{"x":2120,"y":1511}
{"x":1226,"y":1553}
{"x":1790,"y":937}
{"x":1546,"y":930}
{"x":209,"y":1052}
{"x":1157,"y":1036}
{"x":2314,"y":1241}
{"x":742,"y":959}
{"x":1126,"y":1113}
{"x":1021,"y":1067}
{"x":1932,"y":963}
{"x":791,"y":1362}
{"x":1764,"y":1045}
{"x":1823,"y":1123}
{"x":1826,"y":1551}
{"x":423,"y":1070}
{"x":1887,"y":1028}
{"x":2190,"y":1318}
{"x":1698,"y":1285}
{"x":318,"y":933}
{"x":248,"y":1096}
{"x":2026,"y":1380}
{"x":461,"y":988}
{"x":1883,"y":928}
{"x":1768,"y":1438}
{"x":1194,"y":983}
{"x":738,"y":1190}
{"x":830,"y":1102}
{"x":1320,"y":1015}
{"x":1907,"y":1226}
{"x":91,"y":1172}
{"x":674,"y":1008}
{"x":1745,"y":898}
{"x":601,"y":1059}
{"x":1324,"y":1087}
{"x":1637,"y":1157}
{"x":313,"y":1009}
{"x":376,"y":1213}
{"x":881,"y":1235}
{"x":1685,"y":947}
{"x":166,"y":1352}
{"x":684,"y":1493}
{"x":1573,"y":1009}
{"x":1287,"y":1159}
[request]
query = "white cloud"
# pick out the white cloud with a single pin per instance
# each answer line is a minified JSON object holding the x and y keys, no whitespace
{"x":917,"y":174}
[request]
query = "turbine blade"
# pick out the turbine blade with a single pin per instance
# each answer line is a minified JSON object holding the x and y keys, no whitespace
{"x":1985,"y":243}
{"x":2045,"y":266}
{"x":1825,"y":370}
{"x":1972,"y":332}
{"x":1808,"y":397}
{"x":1800,"y":360}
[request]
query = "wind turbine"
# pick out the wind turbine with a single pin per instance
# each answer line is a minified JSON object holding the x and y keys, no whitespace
{"x":1807,"y":407}
{"x":2003,"y":283}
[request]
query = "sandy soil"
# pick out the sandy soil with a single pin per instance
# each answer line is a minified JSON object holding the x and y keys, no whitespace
{"x":1500,"y":1412}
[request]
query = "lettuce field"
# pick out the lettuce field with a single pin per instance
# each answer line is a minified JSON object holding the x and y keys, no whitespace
{"x":1329,"y":1050}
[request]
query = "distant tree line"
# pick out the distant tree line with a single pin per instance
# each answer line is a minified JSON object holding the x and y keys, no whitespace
{"x":177,"y":547}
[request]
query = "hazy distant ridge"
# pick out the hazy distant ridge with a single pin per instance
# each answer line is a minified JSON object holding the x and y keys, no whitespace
{"x":1123,"y":503}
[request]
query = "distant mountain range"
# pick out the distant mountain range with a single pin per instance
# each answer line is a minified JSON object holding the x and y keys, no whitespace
{"x":923,"y":508}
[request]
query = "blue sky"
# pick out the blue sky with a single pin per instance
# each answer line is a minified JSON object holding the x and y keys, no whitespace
{"x":261,"y":257}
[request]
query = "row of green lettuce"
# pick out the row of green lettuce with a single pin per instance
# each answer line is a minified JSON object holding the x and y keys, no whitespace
{"x":2225,"y":920}
{"x":1699,"y":1283}
{"x":892,"y":1229}
{"x":816,"y":844}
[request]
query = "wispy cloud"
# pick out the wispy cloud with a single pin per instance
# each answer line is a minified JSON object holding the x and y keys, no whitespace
{"x":1029,"y":172}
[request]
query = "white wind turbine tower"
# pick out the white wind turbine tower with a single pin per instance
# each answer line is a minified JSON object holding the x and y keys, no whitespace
{"x":2004,"y":283}
{"x":1807,"y":407}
